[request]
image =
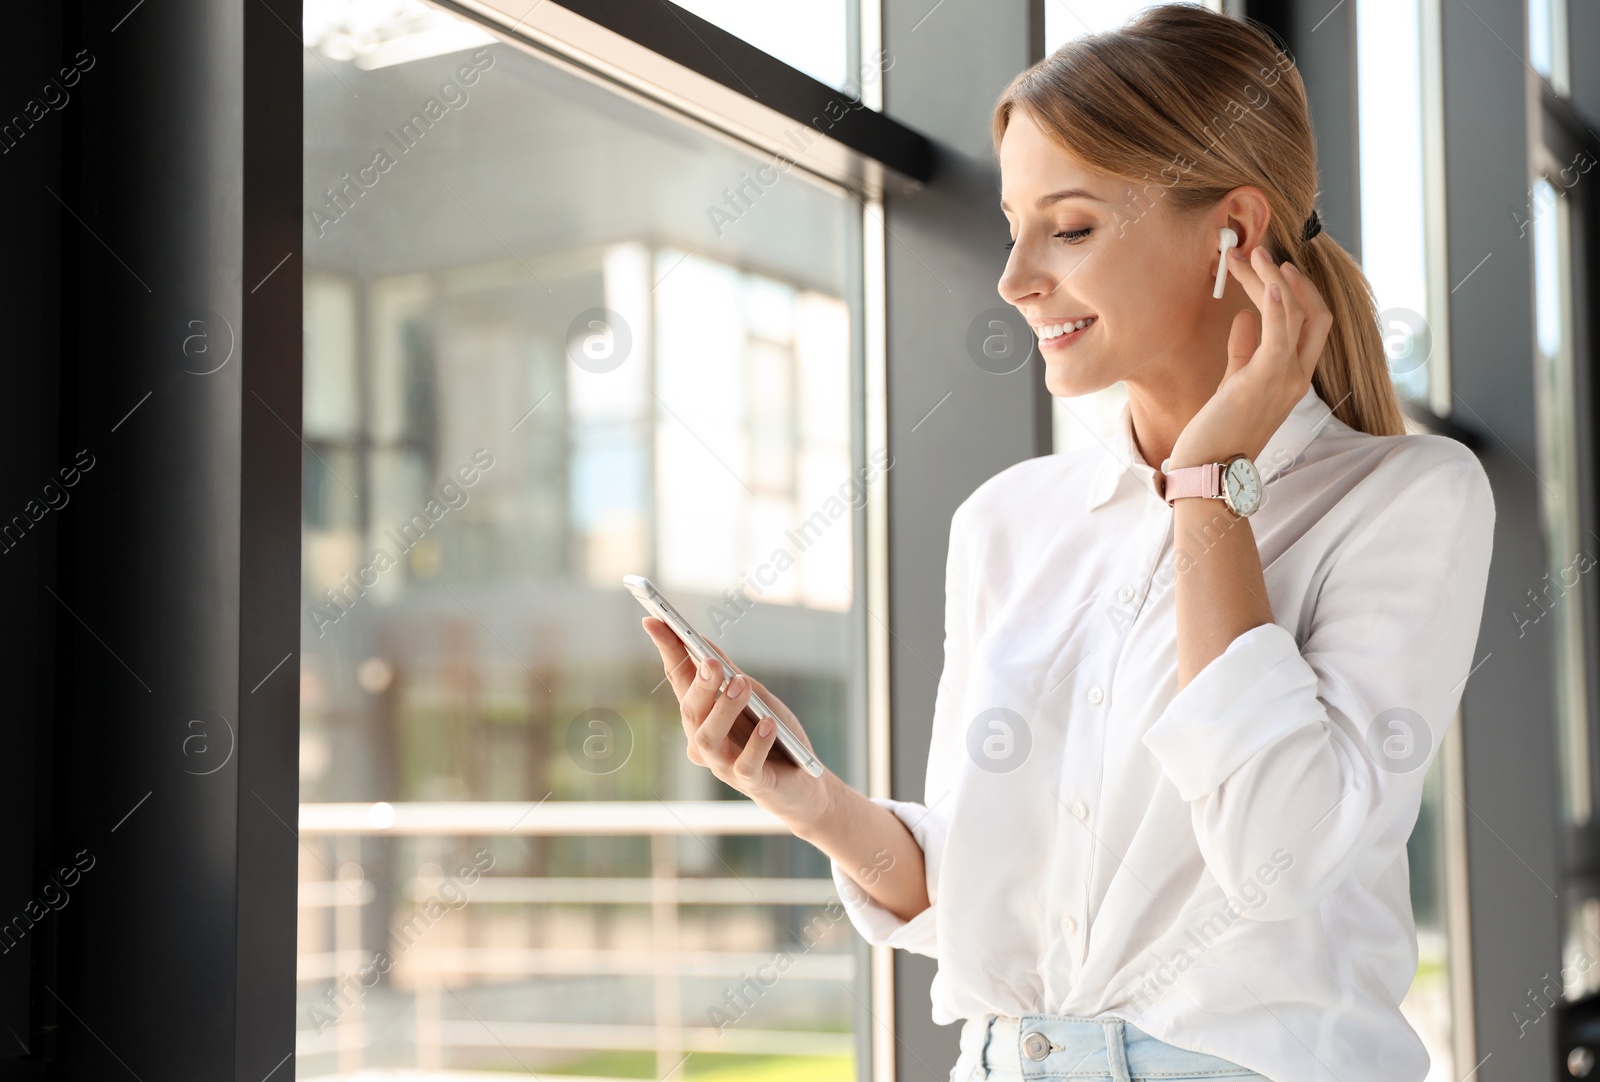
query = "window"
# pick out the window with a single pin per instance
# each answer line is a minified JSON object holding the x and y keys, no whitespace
{"x":816,"y":36}
{"x":1560,"y":603}
{"x":1558,"y":456}
{"x":1402,"y":201}
{"x":1547,"y":43}
{"x":1067,"y":19}
{"x":554,"y":336}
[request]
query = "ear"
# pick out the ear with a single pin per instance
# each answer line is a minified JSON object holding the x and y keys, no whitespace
{"x":1246,"y":211}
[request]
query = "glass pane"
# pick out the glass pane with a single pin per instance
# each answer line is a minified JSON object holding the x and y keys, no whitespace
{"x":1068,"y":19}
{"x":1547,"y":42}
{"x":816,"y":36}
{"x":1555,"y":603}
{"x":537,"y":360}
{"x":1394,"y":248}
{"x":1427,"y":1004}
{"x":1566,"y":553}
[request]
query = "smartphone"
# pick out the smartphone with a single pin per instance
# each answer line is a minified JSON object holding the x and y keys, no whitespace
{"x":658,"y":606}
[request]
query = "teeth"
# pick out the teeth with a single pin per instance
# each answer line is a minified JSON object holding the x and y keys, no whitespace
{"x":1056,"y":330}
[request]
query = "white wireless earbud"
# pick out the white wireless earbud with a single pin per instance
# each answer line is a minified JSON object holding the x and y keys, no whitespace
{"x":1228,"y":239}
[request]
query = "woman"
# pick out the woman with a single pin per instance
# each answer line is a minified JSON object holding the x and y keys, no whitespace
{"x":1179,"y":742}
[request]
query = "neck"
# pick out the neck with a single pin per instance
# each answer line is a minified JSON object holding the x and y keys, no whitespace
{"x":1161,"y":404}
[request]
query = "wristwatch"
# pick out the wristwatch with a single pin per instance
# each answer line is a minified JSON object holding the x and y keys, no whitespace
{"x":1235,"y":482}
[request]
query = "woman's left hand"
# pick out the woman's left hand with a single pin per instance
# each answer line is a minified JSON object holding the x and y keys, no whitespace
{"x":1263,"y":383}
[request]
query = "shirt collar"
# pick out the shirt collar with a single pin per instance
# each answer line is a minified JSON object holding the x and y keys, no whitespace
{"x":1122,"y":458}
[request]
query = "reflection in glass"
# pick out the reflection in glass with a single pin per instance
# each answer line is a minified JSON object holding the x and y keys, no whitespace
{"x":535,"y":362}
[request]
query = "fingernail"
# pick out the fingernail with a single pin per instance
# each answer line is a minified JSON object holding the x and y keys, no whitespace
{"x":705,"y":670}
{"x":736,"y":687}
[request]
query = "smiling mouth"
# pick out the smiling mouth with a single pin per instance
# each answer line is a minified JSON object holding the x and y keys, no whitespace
{"x":1068,"y":330}
{"x":1056,"y":330}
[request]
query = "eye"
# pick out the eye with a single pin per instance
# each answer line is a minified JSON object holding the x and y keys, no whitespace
{"x":1071,"y":236}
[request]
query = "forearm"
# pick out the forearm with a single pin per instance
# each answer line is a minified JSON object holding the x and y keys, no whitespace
{"x":871,"y":844}
{"x":1221,"y":592}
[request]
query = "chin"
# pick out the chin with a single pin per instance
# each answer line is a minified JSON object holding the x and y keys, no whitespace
{"x":1065,"y":380}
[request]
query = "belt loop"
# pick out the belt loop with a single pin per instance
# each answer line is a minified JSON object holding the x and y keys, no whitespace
{"x":1116,"y":1051}
{"x":983,"y":1046}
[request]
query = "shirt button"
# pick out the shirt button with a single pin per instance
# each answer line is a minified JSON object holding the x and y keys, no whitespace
{"x":1125,"y":594}
{"x":1096,"y":695}
{"x":1081,"y":811}
{"x":1069,"y":925}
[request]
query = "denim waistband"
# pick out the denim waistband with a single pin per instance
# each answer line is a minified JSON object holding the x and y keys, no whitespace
{"x":1057,"y":1046}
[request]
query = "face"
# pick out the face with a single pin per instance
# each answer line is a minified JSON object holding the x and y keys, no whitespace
{"x":1113,"y":254}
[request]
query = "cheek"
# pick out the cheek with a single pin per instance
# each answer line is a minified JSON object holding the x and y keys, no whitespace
{"x":1149,"y":297}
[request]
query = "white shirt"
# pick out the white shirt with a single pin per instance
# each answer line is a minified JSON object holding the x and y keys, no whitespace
{"x":1224,"y":866}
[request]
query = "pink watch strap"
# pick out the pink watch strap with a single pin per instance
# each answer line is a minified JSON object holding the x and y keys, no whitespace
{"x":1204,"y":480}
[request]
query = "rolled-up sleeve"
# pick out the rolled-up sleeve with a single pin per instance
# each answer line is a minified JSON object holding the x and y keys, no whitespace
{"x":876,"y":924}
{"x":928,"y":819}
{"x":1300,"y":757}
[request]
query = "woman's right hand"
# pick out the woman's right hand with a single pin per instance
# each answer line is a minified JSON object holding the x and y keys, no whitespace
{"x":723,"y":739}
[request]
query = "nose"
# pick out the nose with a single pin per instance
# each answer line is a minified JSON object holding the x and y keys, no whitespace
{"x":1024,"y":278}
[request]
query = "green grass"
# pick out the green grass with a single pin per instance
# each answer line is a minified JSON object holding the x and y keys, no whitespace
{"x":1429,"y":971}
{"x":611,"y":1065}
{"x":711,"y":1067}
{"x":717,"y":1067}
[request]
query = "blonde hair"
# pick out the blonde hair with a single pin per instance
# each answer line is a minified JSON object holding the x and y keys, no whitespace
{"x":1191,"y":104}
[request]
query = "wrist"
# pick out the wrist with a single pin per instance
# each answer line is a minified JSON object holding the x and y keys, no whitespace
{"x":1184,"y":457}
{"x":813,"y":825}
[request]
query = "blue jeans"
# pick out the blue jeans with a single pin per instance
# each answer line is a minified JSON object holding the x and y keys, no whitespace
{"x":1042,"y":1047}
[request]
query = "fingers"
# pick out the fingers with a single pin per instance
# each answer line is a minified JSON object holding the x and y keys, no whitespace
{"x":1318,"y":321}
{"x":1242,"y":265}
{"x":1281,"y":319}
{"x":701,"y":696}
{"x":711,"y":735}
{"x":708,"y":718}
{"x":724,"y":655}
{"x":781,"y":710}
{"x":749,"y":767}
{"x":675,"y":658}
{"x":696,"y":692}
{"x":1242,"y":340}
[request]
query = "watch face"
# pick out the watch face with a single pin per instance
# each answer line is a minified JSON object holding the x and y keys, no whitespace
{"x":1242,"y":486}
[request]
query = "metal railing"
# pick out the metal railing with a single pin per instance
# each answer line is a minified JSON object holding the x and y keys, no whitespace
{"x":332,"y":833}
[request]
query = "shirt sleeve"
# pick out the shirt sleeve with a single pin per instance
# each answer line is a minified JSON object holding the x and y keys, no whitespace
{"x":1296,"y":759}
{"x":876,"y":924}
{"x":928,"y":819}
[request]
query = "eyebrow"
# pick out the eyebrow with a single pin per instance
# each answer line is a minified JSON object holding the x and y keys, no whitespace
{"x":1056,"y":197}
